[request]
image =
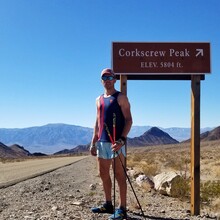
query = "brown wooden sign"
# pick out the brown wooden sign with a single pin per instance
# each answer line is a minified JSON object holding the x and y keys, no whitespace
{"x":160,"y":58}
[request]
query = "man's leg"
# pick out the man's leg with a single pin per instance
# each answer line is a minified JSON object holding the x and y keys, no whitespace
{"x":104,"y":172}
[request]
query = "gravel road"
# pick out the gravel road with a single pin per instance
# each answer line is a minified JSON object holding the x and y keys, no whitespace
{"x":15,"y":172}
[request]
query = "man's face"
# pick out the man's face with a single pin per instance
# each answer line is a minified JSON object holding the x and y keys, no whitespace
{"x":108,"y":80}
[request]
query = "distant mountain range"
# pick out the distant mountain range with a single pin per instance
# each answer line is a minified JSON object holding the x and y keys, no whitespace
{"x":55,"y":137}
{"x":48,"y":138}
{"x":154,"y":136}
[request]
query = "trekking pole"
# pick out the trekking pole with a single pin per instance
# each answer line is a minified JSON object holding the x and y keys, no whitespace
{"x":131,"y":185}
{"x":114,"y":136}
{"x":109,"y":134}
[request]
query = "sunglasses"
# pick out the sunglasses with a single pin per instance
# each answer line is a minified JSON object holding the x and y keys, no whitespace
{"x":104,"y":78}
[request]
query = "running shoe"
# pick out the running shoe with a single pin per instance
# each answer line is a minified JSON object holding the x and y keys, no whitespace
{"x":119,"y":214}
{"x":105,"y":208}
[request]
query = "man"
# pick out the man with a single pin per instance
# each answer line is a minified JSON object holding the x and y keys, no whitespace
{"x":108,"y":143}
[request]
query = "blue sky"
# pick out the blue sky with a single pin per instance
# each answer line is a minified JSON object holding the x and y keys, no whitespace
{"x":52,"y":53}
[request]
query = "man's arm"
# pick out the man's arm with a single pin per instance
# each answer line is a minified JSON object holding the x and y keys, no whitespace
{"x":126,"y":111}
{"x":95,"y":133}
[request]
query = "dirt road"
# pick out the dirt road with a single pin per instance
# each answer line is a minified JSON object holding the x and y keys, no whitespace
{"x":12,"y":173}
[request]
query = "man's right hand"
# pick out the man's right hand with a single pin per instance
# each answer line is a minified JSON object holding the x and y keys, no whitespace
{"x":93,"y":150}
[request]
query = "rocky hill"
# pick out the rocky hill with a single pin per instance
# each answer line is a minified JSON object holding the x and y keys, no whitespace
{"x":208,"y":135}
{"x":75,"y":150}
{"x":6,"y":151}
{"x":211,"y":135}
{"x":13,"y":151}
{"x":154,"y":136}
{"x":20,"y":151}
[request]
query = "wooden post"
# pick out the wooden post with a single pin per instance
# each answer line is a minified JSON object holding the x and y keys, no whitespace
{"x":123,"y":88}
{"x":123,"y":84}
{"x":195,"y":145}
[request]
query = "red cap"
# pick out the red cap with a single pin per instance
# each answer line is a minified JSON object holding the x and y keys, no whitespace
{"x":107,"y":71}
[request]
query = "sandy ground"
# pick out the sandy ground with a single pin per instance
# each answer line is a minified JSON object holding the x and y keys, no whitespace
{"x":65,"y":193}
{"x":59,"y":189}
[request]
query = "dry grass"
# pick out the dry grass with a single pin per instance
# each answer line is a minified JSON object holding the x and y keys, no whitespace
{"x":152,"y":160}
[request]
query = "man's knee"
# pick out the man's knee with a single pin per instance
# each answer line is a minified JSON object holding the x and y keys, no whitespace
{"x":120,"y":176}
{"x":105,"y":176}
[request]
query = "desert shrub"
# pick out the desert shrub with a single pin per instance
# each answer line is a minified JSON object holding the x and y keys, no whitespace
{"x":209,"y":190}
{"x":12,"y":160}
{"x":218,"y":173}
{"x":133,"y":160}
{"x":180,"y":188}
{"x":137,"y":157}
{"x":143,"y":162}
{"x":149,"y":158}
{"x":150,"y":169}
{"x":216,"y":204}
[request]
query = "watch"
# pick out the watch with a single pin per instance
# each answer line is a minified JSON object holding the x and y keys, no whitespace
{"x":123,"y":138}
{"x":120,"y":141}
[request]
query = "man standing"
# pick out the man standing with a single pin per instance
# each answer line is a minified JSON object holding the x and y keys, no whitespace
{"x":108,"y":143}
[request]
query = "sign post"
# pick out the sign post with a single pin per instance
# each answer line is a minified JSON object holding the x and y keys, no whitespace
{"x":169,"y":61}
{"x":195,"y":145}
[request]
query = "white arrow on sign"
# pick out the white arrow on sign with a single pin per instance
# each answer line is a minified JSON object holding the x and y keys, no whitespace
{"x":199,"y":52}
